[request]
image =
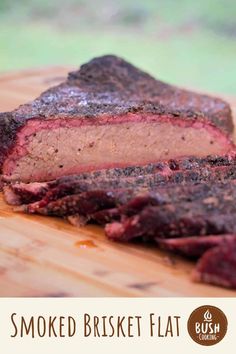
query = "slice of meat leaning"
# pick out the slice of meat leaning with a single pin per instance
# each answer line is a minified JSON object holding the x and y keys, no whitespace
{"x":109,"y":114}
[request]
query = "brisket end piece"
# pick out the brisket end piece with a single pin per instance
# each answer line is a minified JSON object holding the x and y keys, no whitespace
{"x":217,"y":266}
{"x":109,"y":114}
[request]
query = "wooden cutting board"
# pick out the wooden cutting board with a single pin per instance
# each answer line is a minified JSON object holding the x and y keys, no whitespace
{"x":43,"y":256}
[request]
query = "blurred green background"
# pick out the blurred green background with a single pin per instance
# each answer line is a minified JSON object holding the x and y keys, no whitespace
{"x":188,"y":42}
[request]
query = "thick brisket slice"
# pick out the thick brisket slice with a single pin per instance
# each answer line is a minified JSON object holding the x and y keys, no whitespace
{"x":193,"y":247}
{"x":217,"y":265}
{"x":109,"y":114}
{"x":185,"y":170}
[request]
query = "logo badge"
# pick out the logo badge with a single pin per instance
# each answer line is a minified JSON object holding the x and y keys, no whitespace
{"x":207,"y":325}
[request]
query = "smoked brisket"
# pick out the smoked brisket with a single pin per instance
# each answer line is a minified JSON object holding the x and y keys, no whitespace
{"x":109,"y":114}
{"x":217,"y":265}
{"x":195,"y":246}
{"x":149,"y":161}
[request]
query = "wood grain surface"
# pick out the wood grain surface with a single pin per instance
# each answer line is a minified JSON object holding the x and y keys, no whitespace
{"x":47,"y":257}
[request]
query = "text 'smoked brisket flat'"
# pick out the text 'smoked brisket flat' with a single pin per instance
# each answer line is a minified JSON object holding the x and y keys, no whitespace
{"x":109,"y":114}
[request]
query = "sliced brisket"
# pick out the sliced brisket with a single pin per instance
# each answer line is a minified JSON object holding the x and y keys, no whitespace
{"x":109,"y":114}
{"x":217,"y":265}
{"x":149,"y":177}
{"x":168,"y":211}
{"x":168,"y":221}
{"x":201,"y":209}
{"x":84,"y":204}
{"x":195,"y":246}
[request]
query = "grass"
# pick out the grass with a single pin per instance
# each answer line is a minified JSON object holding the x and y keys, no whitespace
{"x":183,"y":44}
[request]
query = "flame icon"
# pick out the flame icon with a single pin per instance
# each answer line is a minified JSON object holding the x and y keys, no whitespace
{"x":207,"y":316}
